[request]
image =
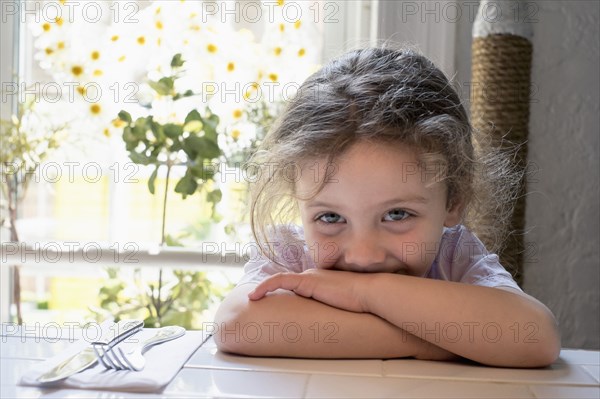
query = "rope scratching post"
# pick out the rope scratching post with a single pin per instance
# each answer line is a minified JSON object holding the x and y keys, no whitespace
{"x":501,"y":69}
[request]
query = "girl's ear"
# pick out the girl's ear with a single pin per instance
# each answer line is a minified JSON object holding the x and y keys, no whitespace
{"x":454,"y":214}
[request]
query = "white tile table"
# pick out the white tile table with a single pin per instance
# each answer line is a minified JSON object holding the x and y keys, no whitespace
{"x":210,"y":373}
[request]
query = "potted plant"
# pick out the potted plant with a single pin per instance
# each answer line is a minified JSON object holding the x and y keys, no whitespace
{"x":192,"y":146}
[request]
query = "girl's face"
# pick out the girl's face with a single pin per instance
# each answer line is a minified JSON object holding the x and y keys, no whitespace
{"x":378,"y":211}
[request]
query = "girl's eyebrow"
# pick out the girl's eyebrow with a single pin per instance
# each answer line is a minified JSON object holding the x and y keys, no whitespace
{"x":408,"y":200}
{"x":415,"y":199}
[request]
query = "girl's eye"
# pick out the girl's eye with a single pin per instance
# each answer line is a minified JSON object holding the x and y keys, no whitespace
{"x":330,"y":217}
{"x":395,"y":215}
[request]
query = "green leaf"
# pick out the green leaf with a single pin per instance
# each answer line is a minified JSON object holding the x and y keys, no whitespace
{"x":187,"y":185}
{"x":125,"y":116}
{"x":131,"y":141}
{"x":172,"y":241}
{"x":140,"y":128}
{"x":210,"y":127}
{"x":152,"y":179}
{"x":187,"y":93}
{"x":140,"y":158}
{"x":193,"y":126}
{"x":177,"y":61}
{"x":157,"y":130}
{"x":210,"y":149}
{"x":195,"y":146}
{"x":175,"y":147}
{"x":193,"y":115}
{"x":172,"y":130}
{"x":214,"y":196}
{"x":164,"y":86}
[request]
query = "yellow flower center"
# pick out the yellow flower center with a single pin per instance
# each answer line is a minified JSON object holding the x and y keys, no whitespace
{"x":159,"y":25}
{"x":121,"y":58}
{"x":281,"y":27}
{"x":211,"y":48}
{"x":77,"y":70}
{"x":59,"y":21}
{"x":106,"y":132}
{"x":297,"y":24}
{"x":60,"y":45}
{"x":301,"y":52}
{"x":80,"y":90}
{"x":141,"y":40}
{"x":115,"y":38}
{"x":237,"y":114}
{"x":49,"y":50}
{"x":46,"y":27}
{"x":95,"y":55}
{"x":98,"y":72}
{"x":277,"y":50}
{"x":118,"y":122}
{"x":95,"y":109}
{"x":273,"y":77}
{"x":280,"y":2}
{"x":253,"y":88}
{"x":235,"y":134}
{"x":230,"y":67}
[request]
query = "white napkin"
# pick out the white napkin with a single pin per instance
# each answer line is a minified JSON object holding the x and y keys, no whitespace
{"x":163,"y":362}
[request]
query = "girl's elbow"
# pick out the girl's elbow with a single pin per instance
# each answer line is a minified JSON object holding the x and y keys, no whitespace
{"x":228,"y":343}
{"x":548,"y":347}
{"x":226,"y":334}
{"x":551,"y":350}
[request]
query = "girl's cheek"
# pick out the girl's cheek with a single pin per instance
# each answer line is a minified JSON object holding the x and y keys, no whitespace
{"x":324,"y":253}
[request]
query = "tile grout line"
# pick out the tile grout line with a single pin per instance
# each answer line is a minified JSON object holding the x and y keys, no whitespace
{"x":588,"y":372}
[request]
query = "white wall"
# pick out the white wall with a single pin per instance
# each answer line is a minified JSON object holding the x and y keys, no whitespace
{"x":563,"y":209}
{"x":562,"y":213}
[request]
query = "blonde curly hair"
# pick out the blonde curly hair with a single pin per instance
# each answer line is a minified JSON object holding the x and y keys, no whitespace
{"x":395,"y":96}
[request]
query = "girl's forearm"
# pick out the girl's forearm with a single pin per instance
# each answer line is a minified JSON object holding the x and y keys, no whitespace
{"x":487,"y":325}
{"x":283,"y":324}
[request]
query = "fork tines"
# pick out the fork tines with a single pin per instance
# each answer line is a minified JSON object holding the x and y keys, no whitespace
{"x":104,"y":347}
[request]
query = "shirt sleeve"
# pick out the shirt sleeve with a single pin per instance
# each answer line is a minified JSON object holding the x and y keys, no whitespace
{"x":291,"y":257}
{"x":465,"y":259}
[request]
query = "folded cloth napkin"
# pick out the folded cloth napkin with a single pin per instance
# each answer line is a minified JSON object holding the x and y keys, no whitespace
{"x":163,"y":362}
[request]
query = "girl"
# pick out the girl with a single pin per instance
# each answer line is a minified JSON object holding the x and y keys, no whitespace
{"x":375,"y":157}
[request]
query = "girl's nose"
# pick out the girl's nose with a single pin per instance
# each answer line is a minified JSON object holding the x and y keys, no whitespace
{"x":364,"y":252}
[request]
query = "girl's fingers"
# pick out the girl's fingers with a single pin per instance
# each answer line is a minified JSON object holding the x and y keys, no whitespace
{"x":283,"y":280}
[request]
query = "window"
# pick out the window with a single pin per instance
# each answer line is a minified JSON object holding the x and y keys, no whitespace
{"x":88,"y":207}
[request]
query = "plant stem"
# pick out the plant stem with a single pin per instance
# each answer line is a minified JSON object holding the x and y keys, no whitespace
{"x":12,"y":206}
{"x":158,"y":304}
{"x":158,"y":300}
{"x":164,"y":213}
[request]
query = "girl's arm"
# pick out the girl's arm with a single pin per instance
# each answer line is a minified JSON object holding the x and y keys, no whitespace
{"x":489,"y":325}
{"x":288,"y":325}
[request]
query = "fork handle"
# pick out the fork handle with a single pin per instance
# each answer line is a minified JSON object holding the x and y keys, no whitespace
{"x":163,"y":334}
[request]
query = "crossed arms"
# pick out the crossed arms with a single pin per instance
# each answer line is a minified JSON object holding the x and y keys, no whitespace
{"x":338,"y":314}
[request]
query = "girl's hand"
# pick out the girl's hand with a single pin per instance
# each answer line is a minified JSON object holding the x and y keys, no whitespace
{"x":340,"y":289}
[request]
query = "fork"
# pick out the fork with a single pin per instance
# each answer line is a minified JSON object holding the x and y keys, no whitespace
{"x":115,"y":358}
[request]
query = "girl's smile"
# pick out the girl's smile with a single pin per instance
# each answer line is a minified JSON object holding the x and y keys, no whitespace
{"x":377,"y":213}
